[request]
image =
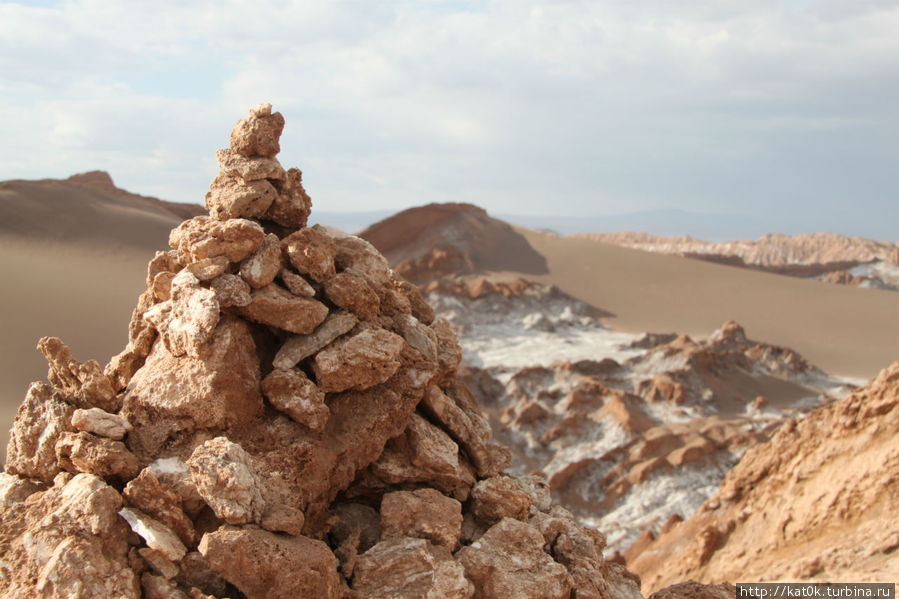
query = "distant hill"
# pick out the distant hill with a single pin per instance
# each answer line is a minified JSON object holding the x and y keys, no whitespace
{"x":430,"y":241}
{"x":88,"y":207}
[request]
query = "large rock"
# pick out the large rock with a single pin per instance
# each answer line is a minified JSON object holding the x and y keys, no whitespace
{"x":261,"y":268}
{"x":171,"y":397}
{"x":204,"y":237}
{"x":258,"y":134}
{"x":67,"y":541}
{"x":293,"y":393}
{"x":40,"y":422}
{"x":292,"y":206}
{"x":509,"y":562}
{"x":408,"y":568}
{"x":230,"y":196}
{"x":268,"y":566}
{"x":312,"y":252}
{"x":226,"y":478}
{"x":187,"y":320}
{"x":275,"y":306}
{"x":300,"y":347}
{"x":84,"y":452}
{"x":358,"y":362}
{"x":83,"y":383}
{"x":423,"y":513}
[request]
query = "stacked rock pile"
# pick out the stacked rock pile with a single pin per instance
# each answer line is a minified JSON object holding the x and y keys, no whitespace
{"x":285,"y":421}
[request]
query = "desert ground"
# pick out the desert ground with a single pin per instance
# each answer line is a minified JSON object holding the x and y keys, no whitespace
{"x":846,"y":331}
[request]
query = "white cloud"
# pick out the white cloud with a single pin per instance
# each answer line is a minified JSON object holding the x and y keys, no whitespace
{"x":522,"y":106}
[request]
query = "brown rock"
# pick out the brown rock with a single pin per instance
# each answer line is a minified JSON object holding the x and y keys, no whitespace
{"x":268,"y":566}
{"x":258,"y":134}
{"x":509,"y":562}
{"x":100,"y":423}
{"x":141,"y":335}
{"x":354,"y":294}
{"x":171,"y":397}
{"x":233,"y":197}
{"x":162,"y":262}
{"x":157,"y":535}
{"x":161,"y":502}
{"x":358,"y":362}
{"x":158,"y":562}
{"x":417,"y":335}
{"x":312,"y":252}
{"x":449,"y":352}
{"x":204,"y":237}
{"x":462,"y":428}
{"x":292,"y":205}
{"x":248,"y":169}
{"x":208,"y":268}
{"x":580,"y":551}
{"x":424,"y":454}
{"x":261,"y":268}
{"x":291,"y":392}
{"x":499,"y":497}
{"x":300,"y":347}
{"x":174,"y":473}
{"x":275,"y":306}
{"x":187,"y":320}
{"x":424,"y":514}
{"x":67,"y":541}
{"x":296,"y":284}
{"x":14,"y":488}
{"x":84,"y":384}
{"x":403,"y":567}
{"x":83,"y":452}
{"x":359,"y":257}
{"x":420,"y":308}
{"x":41,"y":420}
{"x":231,"y":291}
{"x":695,"y":590}
{"x":227,"y":480}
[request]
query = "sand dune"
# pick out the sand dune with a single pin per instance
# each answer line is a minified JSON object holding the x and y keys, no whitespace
{"x":845,"y":330}
{"x":70,"y":248}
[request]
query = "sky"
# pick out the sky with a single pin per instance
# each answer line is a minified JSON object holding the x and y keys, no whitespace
{"x":783,"y":111}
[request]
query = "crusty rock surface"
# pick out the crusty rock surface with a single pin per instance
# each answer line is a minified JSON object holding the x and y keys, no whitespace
{"x":310,"y":440}
{"x":268,"y":566}
{"x":358,"y":362}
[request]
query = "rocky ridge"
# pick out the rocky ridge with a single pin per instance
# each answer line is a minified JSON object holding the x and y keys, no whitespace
{"x":286,"y":420}
{"x":817,"y":502}
{"x":830,"y":257}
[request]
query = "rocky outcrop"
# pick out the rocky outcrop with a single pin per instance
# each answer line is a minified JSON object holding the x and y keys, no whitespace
{"x":287,"y":420}
{"x":814,"y":503}
{"x":429,"y":242}
{"x":628,"y":445}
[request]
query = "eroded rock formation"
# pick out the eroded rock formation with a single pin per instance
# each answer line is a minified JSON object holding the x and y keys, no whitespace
{"x":285,"y":421}
{"x":817,"y":502}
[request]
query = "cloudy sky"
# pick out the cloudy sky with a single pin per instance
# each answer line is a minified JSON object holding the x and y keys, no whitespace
{"x":786,"y":110}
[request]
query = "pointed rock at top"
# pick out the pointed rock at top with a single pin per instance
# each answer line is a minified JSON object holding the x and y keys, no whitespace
{"x":258,"y":134}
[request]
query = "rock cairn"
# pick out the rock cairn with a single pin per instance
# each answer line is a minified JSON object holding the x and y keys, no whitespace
{"x":285,"y":421}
